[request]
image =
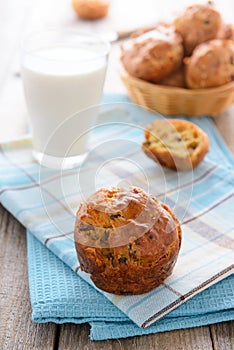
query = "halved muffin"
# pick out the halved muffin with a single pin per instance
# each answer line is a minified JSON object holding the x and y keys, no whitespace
{"x":175,"y":143}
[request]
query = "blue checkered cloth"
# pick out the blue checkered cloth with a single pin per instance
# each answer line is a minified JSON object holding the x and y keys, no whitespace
{"x":45,"y":202}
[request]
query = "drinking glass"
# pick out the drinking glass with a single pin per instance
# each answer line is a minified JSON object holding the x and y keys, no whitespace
{"x":63,"y":74}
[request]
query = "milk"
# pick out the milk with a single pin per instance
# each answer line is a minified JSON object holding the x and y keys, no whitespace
{"x":58,"y":82}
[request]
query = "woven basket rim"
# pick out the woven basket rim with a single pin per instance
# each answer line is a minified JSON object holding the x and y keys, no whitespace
{"x":222,"y":88}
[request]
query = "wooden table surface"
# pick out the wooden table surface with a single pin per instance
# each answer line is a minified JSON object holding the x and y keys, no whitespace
{"x":17,"y":331}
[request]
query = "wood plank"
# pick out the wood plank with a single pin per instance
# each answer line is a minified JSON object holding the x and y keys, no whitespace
{"x":223,"y":335}
{"x":17,"y":331}
{"x":183,"y":339}
{"x":77,"y":337}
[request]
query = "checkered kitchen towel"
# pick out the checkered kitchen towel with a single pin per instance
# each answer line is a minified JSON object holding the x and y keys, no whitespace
{"x":45,"y":201}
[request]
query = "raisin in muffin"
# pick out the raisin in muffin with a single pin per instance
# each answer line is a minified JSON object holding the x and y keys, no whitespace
{"x":127,"y":240}
{"x":154,"y":54}
{"x":176,"y":144}
{"x":197,"y":24}
{"x":211,"y":64}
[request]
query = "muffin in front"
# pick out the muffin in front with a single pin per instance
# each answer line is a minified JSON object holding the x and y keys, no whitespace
{"x":127,"y":240}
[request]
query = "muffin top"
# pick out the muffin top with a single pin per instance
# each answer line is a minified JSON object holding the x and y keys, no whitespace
{"x":154,"y":54}
{"x":198,"y":23}
{"x":116,"y":217}
{"x":211,"y":64}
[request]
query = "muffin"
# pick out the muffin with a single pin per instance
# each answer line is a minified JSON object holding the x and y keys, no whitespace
{"x":91,"y":9}
{"x":211,"y":64}
{"x":226,"y":31}
{"x":176,"y":79}
{"x":127,"y":240}
{"x":197,"y":24}
{"x":154,"y":54}
{"x":176,"y":144}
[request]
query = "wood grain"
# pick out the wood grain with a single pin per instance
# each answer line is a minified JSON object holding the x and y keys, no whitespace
{"x":77,"y":337}
{"x":17,"y":331}
{"x":72,"y":336}
{"x":223,"y":336}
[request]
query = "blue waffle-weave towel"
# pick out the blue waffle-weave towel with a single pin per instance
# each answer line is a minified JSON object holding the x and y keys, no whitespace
{"x":59,"y":295}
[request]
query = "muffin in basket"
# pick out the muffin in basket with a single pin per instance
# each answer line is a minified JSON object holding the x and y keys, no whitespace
{"x":176,"y":144}
{"x":153,"y":55}
{"x":127,"y":240}
{"x":157,"y":78}
{"x":226,"y":31}
{"x":176,"y":78}
{"x":197,"y":24}
{"x":211,"y":64}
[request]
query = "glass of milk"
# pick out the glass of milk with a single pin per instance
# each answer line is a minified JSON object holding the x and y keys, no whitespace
{"x":63,"y":74}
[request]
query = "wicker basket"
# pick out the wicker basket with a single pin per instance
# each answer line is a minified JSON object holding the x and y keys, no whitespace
{"x":178,"y":101}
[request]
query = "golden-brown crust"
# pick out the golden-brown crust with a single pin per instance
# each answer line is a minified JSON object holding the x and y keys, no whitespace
{"x":91,"y":9}
{"x":132,"y":244}
{"x":176,"y":144}
{"x":176,"y":78}
{"x":226,"y":31}
{"x":154,"y":54}
{"x":211,"y":64}
{"x":197,"y":24}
